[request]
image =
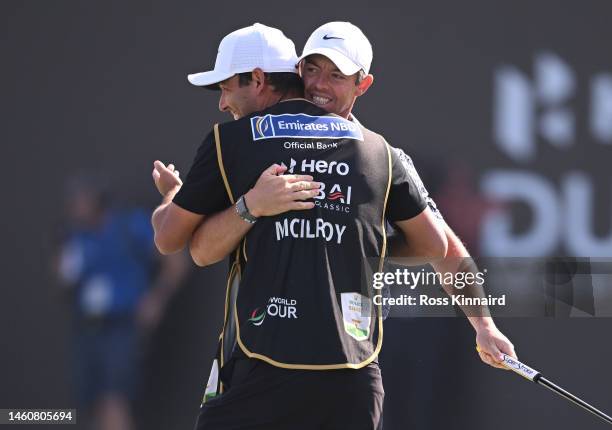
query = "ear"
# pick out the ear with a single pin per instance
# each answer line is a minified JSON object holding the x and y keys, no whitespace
{"x":259,"y":79}
{"x":365,"y":83}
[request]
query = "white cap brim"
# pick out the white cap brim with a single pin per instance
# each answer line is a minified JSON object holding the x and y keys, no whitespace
{"x":208,"y":78}
{"x":345,"y":65}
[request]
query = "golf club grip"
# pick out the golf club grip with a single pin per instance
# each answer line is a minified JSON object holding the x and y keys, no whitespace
{"x":520,"y":368}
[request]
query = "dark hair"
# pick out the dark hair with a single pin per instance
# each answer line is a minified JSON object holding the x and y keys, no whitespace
{"x":282,"y":82}
{"x":360,"y":76}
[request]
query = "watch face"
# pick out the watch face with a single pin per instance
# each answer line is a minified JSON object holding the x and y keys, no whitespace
{"x":243,"y":207}
{"x":243,"y":211}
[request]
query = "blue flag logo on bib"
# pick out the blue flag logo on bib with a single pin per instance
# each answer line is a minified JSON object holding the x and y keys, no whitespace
{"x":262,"y":127}
{"x":304,"y":126}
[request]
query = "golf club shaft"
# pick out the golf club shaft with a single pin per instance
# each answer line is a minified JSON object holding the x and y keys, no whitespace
{"x":535,"y":376}
{"x":569,"y":396}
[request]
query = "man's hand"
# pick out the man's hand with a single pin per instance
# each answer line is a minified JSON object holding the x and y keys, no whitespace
{"x":172,"y":224}
{"x":491,"y":344}
{"x":275,"y":193}
{"x":166,"y":178}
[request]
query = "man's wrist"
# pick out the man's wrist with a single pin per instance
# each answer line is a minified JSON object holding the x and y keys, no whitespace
{"x":243,"y":211}
{"x":169,"y":196}
{"x":250,"y":202}
{"x":482,"y":323}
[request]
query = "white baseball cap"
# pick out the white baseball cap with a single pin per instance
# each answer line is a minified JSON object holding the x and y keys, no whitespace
{"x":344,"y":44}
{"x":247,"y":49}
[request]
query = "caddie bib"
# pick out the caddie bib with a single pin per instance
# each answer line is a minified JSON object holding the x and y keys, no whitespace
{"x":298,"y":295}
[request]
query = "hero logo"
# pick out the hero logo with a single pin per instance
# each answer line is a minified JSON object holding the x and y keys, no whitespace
{"x":320,"y":166}
{"x":277,"y":307}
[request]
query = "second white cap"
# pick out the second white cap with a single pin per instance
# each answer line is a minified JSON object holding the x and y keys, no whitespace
{"x":246,"y":49}
{"x":344,"y":44}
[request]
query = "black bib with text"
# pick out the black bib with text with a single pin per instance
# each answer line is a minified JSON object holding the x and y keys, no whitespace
{"x":302,"y":299}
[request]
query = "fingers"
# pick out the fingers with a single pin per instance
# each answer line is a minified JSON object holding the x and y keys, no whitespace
{"x":275,"y":192}
{"x":498,"y":345}
{"x":298,"y":178}
{"x":486,"y":358}
{"x":275,"y":169}
{"x":299,"y":206}
{"x":494,"y":352}
{"x":165,"y":177}
{"x":178,"y":177}
{"x":161,"y":167}
{"x":512,"y":352}
{"x":490,"y":355}
{"x":508,"y":349}
{"x":505,"y":346}
{"x":304,"y":195}
{"x":304,"y":185}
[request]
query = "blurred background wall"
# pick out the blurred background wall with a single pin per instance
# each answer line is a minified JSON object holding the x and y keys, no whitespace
{"x":506,"y":108}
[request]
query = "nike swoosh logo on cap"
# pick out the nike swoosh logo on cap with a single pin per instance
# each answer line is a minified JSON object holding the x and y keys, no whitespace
{"x":326,"y":37}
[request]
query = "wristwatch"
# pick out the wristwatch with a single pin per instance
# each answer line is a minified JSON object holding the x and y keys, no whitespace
{"x":243,"y":211}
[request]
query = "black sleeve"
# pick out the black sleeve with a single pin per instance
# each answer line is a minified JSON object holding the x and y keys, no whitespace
{"x":407,"y":197}
{"x":203,"y":191}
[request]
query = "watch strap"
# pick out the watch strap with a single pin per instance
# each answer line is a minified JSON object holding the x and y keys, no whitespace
{"x":243,"y":211}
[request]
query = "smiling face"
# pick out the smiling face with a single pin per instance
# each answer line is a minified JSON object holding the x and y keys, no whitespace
{"x":237,"y":100}
{"x":327,"y":87}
